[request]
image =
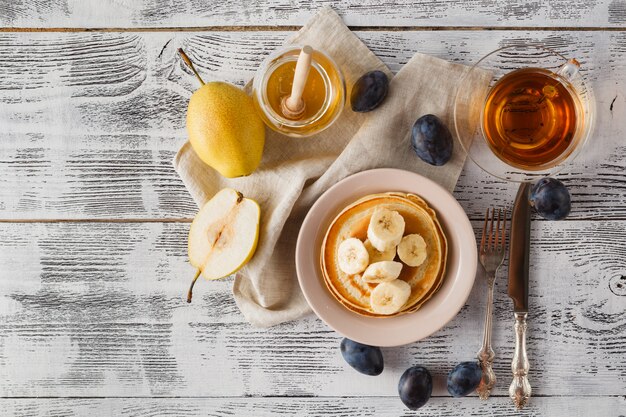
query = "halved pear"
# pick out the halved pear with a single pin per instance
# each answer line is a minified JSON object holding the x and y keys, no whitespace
{"x":223,"y":235}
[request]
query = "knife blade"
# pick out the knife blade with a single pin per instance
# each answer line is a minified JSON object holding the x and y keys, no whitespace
{"x":519,"y":250}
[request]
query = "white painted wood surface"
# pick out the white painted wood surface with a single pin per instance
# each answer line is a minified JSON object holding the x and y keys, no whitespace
{"x":91,"y":132}
{"x":311,"y":407}
{"x":93,"y":220}
{"x":421,"y":13}
{"x":97,"y":309}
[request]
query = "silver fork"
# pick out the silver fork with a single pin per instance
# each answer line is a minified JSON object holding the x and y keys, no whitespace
{"x":491,"y":257}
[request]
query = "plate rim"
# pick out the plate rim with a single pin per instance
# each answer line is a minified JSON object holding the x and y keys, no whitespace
{"x":472,"y":258}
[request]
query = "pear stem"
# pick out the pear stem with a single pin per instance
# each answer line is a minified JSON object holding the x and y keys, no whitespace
{"x":190,"y":292}
{"x":190,"y":64}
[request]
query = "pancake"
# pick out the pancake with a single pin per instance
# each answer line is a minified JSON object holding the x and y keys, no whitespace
{"x":444,"y":260}
{"x":350,"y":290}
{"x":425,"y":280}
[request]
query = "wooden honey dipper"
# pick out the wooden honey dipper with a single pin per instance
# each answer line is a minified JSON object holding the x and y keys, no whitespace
{"x":293,"y":106}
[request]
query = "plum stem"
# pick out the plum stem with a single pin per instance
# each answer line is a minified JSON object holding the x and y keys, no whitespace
{"x":195,"y":278}
{"x":190,"y":64}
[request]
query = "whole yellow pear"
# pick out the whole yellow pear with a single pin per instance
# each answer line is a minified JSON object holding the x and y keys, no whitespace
{"x":225,"y":130}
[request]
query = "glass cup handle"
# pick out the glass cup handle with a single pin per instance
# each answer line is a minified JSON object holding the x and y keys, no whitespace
{"x":569,"y":69}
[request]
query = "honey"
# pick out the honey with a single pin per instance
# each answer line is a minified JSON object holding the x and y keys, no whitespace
{"x":279,"y":87}
{"x":530,"y":119}
{"x":323,"y":95}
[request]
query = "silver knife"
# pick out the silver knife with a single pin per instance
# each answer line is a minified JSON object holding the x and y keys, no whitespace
{"x":519,"y":251}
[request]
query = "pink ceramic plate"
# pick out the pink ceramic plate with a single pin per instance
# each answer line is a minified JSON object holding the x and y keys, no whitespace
{"x":437,"y":311}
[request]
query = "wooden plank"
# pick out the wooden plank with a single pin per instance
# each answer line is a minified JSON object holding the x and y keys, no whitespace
{"x":91,"y":121}
{"x":161,"y":13}
{"x":322,"y":407}
{"x":97,"y":309}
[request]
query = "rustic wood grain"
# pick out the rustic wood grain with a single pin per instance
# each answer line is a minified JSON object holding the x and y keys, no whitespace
{"x":312,"y":407}
{"x":98,"y":310}
{"x":93,"y":219}
{"x":180,"y":13}
{"x":91,"y":121}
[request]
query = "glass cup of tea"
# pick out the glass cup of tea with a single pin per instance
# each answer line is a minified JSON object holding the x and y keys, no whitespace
{"x":532,"y":119}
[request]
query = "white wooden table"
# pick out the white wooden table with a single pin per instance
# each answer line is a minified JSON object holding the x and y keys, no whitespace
{"x":93,"y":219}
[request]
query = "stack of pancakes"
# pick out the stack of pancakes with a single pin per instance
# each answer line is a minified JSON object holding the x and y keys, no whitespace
{"x":350,"y":290}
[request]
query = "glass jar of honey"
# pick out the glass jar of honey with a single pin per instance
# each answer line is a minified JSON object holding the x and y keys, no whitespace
{"x":323,"y":94}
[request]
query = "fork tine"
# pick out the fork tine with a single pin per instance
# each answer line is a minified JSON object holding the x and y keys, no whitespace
{"x":482,"y":239}
{"x":491,"y":239}
{"x":498,"y":231}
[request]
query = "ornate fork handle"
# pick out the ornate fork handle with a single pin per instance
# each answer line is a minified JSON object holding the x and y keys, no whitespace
{"x":486,"y":355}
{"x":520,"y":390}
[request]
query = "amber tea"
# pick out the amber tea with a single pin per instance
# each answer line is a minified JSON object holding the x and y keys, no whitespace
{"x":530,"y":118}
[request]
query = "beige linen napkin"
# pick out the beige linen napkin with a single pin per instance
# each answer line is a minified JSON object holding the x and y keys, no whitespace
{"x":294,"y":172}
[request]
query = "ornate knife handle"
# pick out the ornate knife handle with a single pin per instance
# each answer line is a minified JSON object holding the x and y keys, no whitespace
{"x":520,"y":390}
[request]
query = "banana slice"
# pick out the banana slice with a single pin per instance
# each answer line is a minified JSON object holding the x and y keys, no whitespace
{"x":385,"y":229}
{"x":389,"y":297}
{"x":383,"y":271}
{"x":412,"y":250}
{"x":378,"y":256}
{"x":352,"y":256}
